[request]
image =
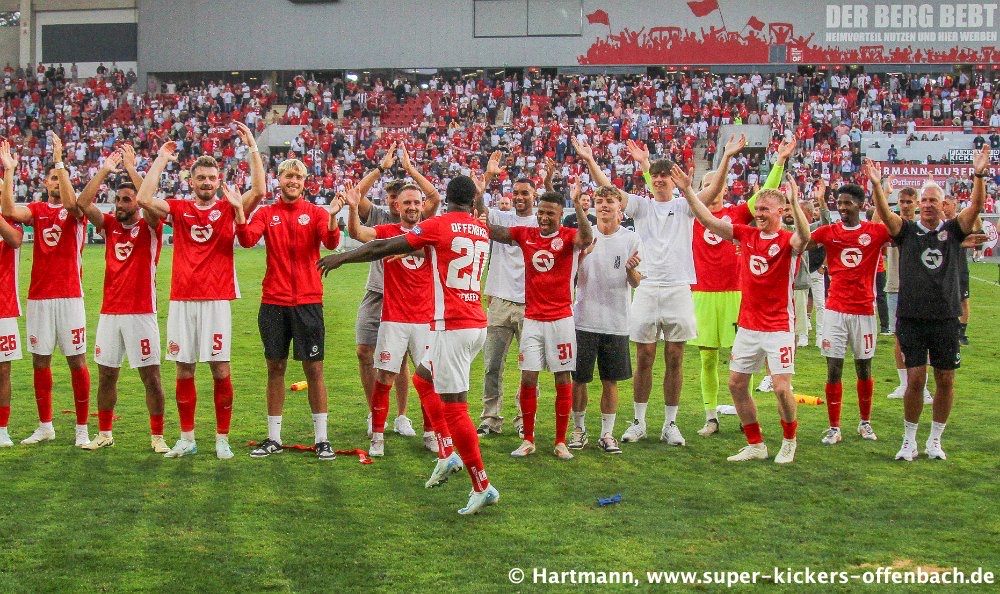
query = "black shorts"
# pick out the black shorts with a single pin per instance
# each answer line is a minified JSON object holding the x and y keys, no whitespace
{"x":280,"y":324}
{"x":609,"y":351}
{"x":963,"y":282}
{"x":919,"y":338}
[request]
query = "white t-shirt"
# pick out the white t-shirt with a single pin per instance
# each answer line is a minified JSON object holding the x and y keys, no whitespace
{"x":603,"y":295}
{"x":506,"y":273}
{"x":666,"y":230}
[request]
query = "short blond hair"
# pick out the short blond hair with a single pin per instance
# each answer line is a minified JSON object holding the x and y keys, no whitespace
{"x":773,"y":194}
{"x":293,"y":165}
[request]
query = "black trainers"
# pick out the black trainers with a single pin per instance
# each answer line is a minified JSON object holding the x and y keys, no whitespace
{"x":324,"y":451}
{"x":266,"y":449}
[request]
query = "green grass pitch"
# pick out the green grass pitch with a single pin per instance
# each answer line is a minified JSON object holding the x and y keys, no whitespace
{"x":125,"y":519}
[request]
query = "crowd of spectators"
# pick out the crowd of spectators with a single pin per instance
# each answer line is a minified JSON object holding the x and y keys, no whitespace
{"x":451,"y":124}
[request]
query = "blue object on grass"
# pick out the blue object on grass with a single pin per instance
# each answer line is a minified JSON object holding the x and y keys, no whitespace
{"x":609,"y":500}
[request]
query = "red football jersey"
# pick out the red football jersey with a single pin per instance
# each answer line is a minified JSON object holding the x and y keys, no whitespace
{"x":408,"y":284}
{"x":130,"y":257}
{"x":10,"y":301}
{"x":57,"y":254}
{"x":457,"y":245}
{"x":852,"y":258}
{"x":716,"y":261}
{"x":549,"y":269}
{"x":203,"y":268}
{"x":768,"y":264}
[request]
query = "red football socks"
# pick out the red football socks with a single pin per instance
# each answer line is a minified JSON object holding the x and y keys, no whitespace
{"x":466,"y":442}
{"x":434,"y":409}
{"x":865,"y":389}
{"x":223,"y":404}
{"x":105,"y":419}
{"x":834,"y":399}
{"x":81,"y":393}
{"x":789,"y":428}
{"x":529,"y":406}
{"x":564,"y":404}
{"x":4,"y":416}
{"x":187,"y":399}
{"x":380,"y":406}
{"x":752,"y":431}
{"x":43,"y":394}
{"x":156,"y":424}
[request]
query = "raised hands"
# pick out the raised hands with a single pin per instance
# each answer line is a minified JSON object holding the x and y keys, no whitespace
{"x":681,"y":179}
{"x":787,"y":147}
{"x":7,"y":158}
{"x":57,"y":149}
{"x":168,"y":151}
{"x":582,"y":149}
{"x":246,"y":135}
{"x":636,"y":151}
{"x":735,"y":145}
{"x":389,"y":159}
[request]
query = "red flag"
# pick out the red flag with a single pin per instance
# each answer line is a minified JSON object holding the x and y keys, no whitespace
{"x":704,"y":7}
{"x":755,"y":23}
{"x":599,"y":17}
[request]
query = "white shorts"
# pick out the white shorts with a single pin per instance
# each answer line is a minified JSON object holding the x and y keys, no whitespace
{"x":841,"y":330}
{"x":62,"y":321}
{"x":548,"y":346}
{"x":10,"y":340}
{"x":449,"y":357}
{"x":199,"y":331}
{"x":137,"y":335}
{"x":395,"y":339}
{"x":752,"y":347}
{"x":662,"y":313}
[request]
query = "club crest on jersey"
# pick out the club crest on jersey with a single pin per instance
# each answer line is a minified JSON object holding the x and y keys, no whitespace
{"x":275,"y":219}
{"x":303,"y":219}
{"x":618,"y":262}
{"x":758,"y":265}
{"x":416,"y":230}
{"x":543,"y":261}
{"x":97,"y":350}
{"x":557,"y":244}
{"x":384,"y":357}
{"x":214,"y":215}
{"x":851,"y":257}
{"x":201,"y":234}
{"x":134,"y":232}
{"x":51,"y":236}
{"x":943,"y":236}
{"x":864,"y":239}
{"x":62,"y":214}
{"x":33,"y":340}
{"x":711,"y":238}
{"x":773,"y":250}
{"x":124,"y":250}
{"x":932,"y":258}
{"x":173,"y":348}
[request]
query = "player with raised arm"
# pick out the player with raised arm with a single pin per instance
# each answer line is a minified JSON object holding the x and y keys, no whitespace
{"x":662,"y":307}
{"x":456,"y":243}
{"x":504,"y":294}
{"x":548,"y":341}
{"x":291,"y":304}
{"x":853,"y":248}
{"x":927,"y":323}
{"x":716,"y":295}
{"x":766,"y":325}
{"x":128,"y":324}
{"x":606,"y":277}
{"x":55,"y":296}
{"x":199,"y":319}
{"x":10,"y":302}
{"x":370,"y":309}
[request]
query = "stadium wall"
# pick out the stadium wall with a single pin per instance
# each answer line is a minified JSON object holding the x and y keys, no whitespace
{"x":222,"y":35}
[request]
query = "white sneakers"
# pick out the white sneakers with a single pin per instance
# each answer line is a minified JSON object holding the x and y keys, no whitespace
{"x":900,"y":390}
{"x":159,"y":444}
{"x":672,"y":435}
{"x":832,"y":436}
{"x":377,"y":448}
{"x":222,"y":449}
{"x":787,"y":452}
{"x":82,"y":436}
{"x":908,"y":452}
{"x":754,"y":451}
{"x":430,"y":442}
{"x":101,"y":440}
{"x":635,"y":432}
{"x":866,"y":432}
{"x":562,"y":452}
{"x":933,"y":449}
{"x":5,"y":441}
{"x":403,"y":426}
{"x":525,"y":449}
{"x":711,"y":428}
{"x":766,"y":385}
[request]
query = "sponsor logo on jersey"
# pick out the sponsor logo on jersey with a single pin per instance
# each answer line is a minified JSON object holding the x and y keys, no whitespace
{"x":758,"y":265}
{"x":124,"y":250}
{"x":773,"y":250}
{"x":214,"y":215}
{"x":932,"y":258}
{"x":201,"y":234}
{"x":51,"y":236}
{"x":557,"y":244}
{"x":173,"y":348}
{"x":711,"y":238}
{"x":417,"y":230}
{"x":850,"y":257}
{"x":618,"y":262}
{"x":543,"y":261}
{"x":864,"y":239}
{"x":303,"y":219}
{"x":412,"y":262}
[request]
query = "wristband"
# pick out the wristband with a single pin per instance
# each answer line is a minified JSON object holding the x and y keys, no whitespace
{"x":649,"y":180}
{"x":982,"y":175}
{"x":59,"y":165}
{"x":255,"y":150}
{"x":380,"y":170}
